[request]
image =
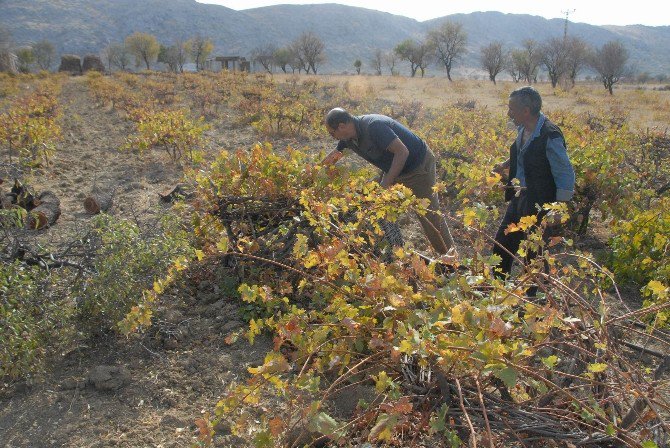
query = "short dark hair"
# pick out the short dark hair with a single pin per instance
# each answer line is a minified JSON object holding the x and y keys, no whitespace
{"x":337,"y":116}
{"x":528,"y":97}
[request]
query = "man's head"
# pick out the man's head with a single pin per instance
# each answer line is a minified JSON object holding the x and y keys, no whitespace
{"x":340,"y":124}
{"x":524,"y":105}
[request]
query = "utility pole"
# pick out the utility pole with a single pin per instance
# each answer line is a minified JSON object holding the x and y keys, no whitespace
{"x":565,"y":29}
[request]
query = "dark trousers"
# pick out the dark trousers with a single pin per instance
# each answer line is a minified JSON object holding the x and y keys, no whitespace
{"x":512,"y":240}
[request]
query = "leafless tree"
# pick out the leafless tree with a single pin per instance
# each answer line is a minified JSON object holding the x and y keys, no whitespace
{"x":493,"y":59}
{"x":577,"y":56}
{"x":117,"y":55}
{"x":528,"y":60}
{"x":308,"y":49}
{"x":175,"y":56}
{"x":390,"y":59}
{"x":418,"y":54}
{"x":449,"y":43}
{"x":377,"y":60}
{"x":265,"y":55}
{"x":609,"y":61}
{"x":555,"y":58}
{"x":44,"y":52}
{"x":298,"y":61}
{"x":515,"y":63}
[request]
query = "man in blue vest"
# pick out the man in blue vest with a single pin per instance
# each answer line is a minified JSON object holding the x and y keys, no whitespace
{"x":403,"y":157}
{"x":539,"y":162}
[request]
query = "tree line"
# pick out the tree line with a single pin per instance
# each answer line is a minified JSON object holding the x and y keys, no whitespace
{"x":561,"y":58}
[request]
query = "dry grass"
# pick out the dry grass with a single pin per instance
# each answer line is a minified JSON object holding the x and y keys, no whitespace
{"x":644,"y":106}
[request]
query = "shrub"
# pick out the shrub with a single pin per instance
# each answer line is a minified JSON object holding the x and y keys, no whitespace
{"x":128,"y":261}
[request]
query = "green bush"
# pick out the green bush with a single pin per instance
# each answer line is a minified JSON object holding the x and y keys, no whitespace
{"x":128,"y":261}
{"x":32,"y":323}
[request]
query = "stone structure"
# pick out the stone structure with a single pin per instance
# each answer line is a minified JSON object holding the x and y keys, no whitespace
{"x":93,"y":62}
{"x":231,"y":63}
{"x":70,"y":63}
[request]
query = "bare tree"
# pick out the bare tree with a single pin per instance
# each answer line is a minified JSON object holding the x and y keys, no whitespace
{"x":390,"y":59}
{"x":555,"y":58}
{"x":493,"y":59}
{"x":515,"y":63}
{"x":577,"y":56}
{"x":449,"y":43}
{"x":175,"y":56}
{"x":377,"y":60}
{"x":308,"y":48}
{"x":44,"y":52}
{"x":199,"y":49}
{"x":298,"y":61}
{"x":265,"y":55}
{"x":418,"y":54}
{"x":610,"y":63}
{"x":528,"y":60}
{"x":116,"y":55}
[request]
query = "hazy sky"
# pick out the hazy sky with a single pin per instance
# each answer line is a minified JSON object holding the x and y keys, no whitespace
{"x":645,"y":12}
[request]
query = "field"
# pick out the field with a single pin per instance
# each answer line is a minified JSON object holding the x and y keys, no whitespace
{"x":260,"y":306}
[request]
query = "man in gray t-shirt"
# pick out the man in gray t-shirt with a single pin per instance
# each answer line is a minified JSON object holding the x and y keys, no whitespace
{"x":402,"y":156}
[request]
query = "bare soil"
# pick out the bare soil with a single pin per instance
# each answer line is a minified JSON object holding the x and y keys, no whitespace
{"x":162,"y":381}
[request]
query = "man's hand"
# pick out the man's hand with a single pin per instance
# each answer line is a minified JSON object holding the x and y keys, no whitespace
{"x":332,"y":158}
{"x":502,"y":169}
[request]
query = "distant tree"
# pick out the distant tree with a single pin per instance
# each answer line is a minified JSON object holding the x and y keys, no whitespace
{"x":449,"y":43}
{"x":116,"y":55}
{"x":377,"y":60}
{"x":661,"y":77}
{"x":493,"y":59}
{"x":577,"y":56}
{"x":418,"y":54}
{"x":25,"y":59}
{"x":555,"y":59}
{"x":609,"y":61}
{"x":308,"y":50}
{"x":199,"y":48}
{"x":283,"y":57}
{"x":390,"y":59}
{"x":528,"y":60}
{"x":265,"y":55}
{"x":44,"y":52}
{"x":298,"y":61}
{"x":144,"y":47}
{"x":643,"y":77}
{"x":514,"y":64}
{"x":175,"y":56}
{"x":357,"y":65}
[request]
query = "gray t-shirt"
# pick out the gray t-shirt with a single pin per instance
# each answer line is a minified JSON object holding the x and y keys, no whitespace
{"x":375,"y":134}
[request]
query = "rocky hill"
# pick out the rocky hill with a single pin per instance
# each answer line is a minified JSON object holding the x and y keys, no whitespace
{"x":87,"y":26}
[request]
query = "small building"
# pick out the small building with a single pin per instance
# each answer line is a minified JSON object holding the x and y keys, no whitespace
{"x":231,"y":63}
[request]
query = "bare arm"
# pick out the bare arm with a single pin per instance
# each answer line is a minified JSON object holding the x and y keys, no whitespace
{"x":400,"y":154}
